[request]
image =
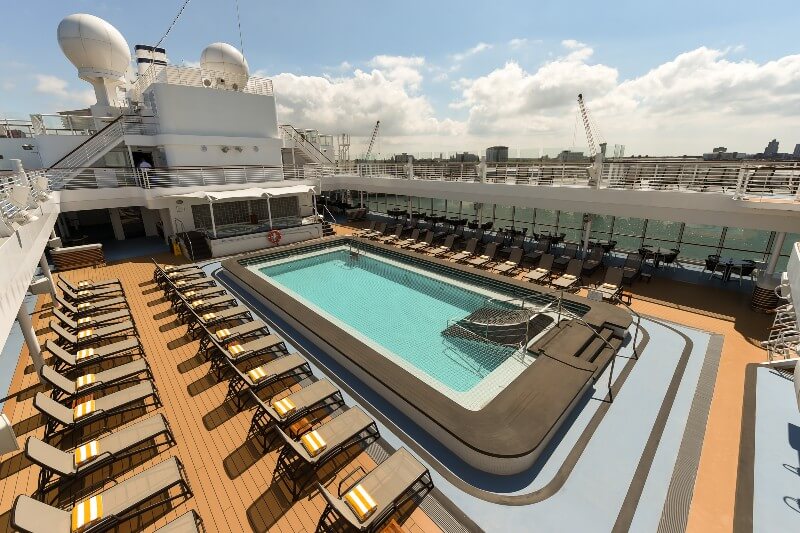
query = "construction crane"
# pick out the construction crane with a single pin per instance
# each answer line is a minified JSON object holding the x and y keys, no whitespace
{"x":591,"y":129}
{"x":372,"y":139}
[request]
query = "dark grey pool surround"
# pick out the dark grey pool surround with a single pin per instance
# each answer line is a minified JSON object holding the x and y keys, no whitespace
{"x":504,"y":437}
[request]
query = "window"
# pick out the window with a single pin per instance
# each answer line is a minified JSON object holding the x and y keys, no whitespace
{"x":571,"y":224}
{"x":503,"y":216}
{"x":201,"y":214}
{"x":546,"y":221}
{"x":453,"y":209}
{"x":700,"y":240}
{"x":662,"y":233}
{"x":628,"y":232}
{"x":601,"y":227}
{"x":741,"y":243}
{"x":523,"y":218}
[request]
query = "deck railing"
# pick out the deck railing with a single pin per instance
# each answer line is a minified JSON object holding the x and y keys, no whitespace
{"x":196,"y":77}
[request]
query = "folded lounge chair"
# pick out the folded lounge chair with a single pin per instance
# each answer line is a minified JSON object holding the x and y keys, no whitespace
{"x":88,"y":295}
{"x":486,"y":258}
{"x":86,"y":357}
{"x":78,"y":310}
{"x":542,"y":272}
{"x":74,"y":464}
{"x":91,"y":320}
{"x":513,"y":263}
{"x":292,"y":365}
{"x":88,"y":284}
{"x":272,"y":413}
{"x":297,"y":465}
{"x":370,"y":501}
{"x":65,"y":388}
{"x":91,"y":335}
{"x":571,"y":278}
{"x":115,"y":505}
{"x":469,"y":251}
{"x":61,"y":418}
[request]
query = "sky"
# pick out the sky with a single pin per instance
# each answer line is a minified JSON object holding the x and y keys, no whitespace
{"x":661,"y":78}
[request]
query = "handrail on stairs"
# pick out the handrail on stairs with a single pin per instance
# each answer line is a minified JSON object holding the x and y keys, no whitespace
{"x":296,"y":135}
{"x":180,"y":223}
{"x":91,"y":138}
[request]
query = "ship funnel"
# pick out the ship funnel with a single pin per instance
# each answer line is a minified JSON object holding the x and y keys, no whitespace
{"x":147,"y":56}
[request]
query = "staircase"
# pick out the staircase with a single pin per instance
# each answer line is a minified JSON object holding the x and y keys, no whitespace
{"x":510,"y":327}
{"x":327,"y":229}
{"x":195,"y":244}
{"x":308,"y":149}
{"x":573,"y":339}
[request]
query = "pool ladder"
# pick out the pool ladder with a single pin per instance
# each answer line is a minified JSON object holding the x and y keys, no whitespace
{"x":355,"y":250}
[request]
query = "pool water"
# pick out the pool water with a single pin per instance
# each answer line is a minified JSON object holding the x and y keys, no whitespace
{"x":402,"y":310}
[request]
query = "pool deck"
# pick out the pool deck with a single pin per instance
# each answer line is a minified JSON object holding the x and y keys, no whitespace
{"x":233,"y":487}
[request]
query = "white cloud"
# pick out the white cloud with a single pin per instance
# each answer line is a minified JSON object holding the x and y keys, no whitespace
{"x":402,"y":69}
{"x":518,"y":43}
{"x":477,"y":49}
{"x":59,"y":88}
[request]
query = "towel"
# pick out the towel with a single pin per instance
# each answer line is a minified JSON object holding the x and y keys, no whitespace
{"x":84,"y":306}
{"x":84,"y":293}
{"x":83,"y":284}
{"x":208,"y":316}
{"x":189,"y":294}
{"x":283,"y":407}
{"x":222,"y":333}
{"x":87,"y":512}
{"x":83,"y":354}
{"x":84,"y":333}
{"x":569,"y":276}
{"x":83,"y":409}
{"x":179,"y":282}
{"x":313,"y":443}
{"x":85,"y":320}
{"x":362,"y":504}
{"x":257,"y":374}
{"x":86,"y":452}
{"x":197,"y":303}
{"x":235,"y":348}
{"x":84,"y":381}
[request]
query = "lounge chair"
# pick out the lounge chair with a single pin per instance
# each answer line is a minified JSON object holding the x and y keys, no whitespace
{"x":193,"y":293}
{"x":594,"y":260}
{"x":87,"y":308}
{"x":240,"y":350}
{"x":91,"y":356}
{"x":61,"y":418}
{"x":189,"y":284}
{"x":381,"y":230}
{"x":571,"y":278}
{"x":364,"y":232}
{"x":424,"y":244}
{"x":202,"y":306}
{"x":251,"y":328}
{"x":632,"y":268}
{"x":161,"y":271}
{"x":88,"y":295}
{"x":446,"y":248}
{"x":188,"y":522}
{"x":539,"y":249}
{"x":411,"y":240}
{"x":398,"y":231}
{"x":513,"y":263}
{"x":297,"y":465}
{"x":91,"y":335}
{"x":65,"y":388}
{"x":390,"y":485}
{"x":487,"y":256}
{"x":542,"y":272}
{"x":293,"y":407}
{"x":291,"y":365}
{"x":611,"y":287}
{"x":120,"y":503}
{"x":469,"y":251}
{"x":213,"y":318}
{"x":88,"y":284}
{"x":108,"y":449}
{"x":92,"y":320}
{"x":568,"y":253}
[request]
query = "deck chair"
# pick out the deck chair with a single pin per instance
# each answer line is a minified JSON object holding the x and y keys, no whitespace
{"x":87,"y":308}
{"x":469,"y":251}
{"x":188,"y":284}
{"x":594,"y":260}
{"x":70,"y":361}
{"x":67,"y":389}
{"x":611,"y":287}
{"x":92,"y":335}
{"x":89,"y":295}
{"x":444,"y":249}
{"x":539,"y":249}
{"x":195,"y":293}
{"x":120,"y":502}
{"x":292,"y":407}
{"x":486,"y":258}
{"x":161,"y":271}
{"x":398,"y":231}
{"x":240,"y":350}
{"x":392,"y":484}
{"x":513,"y":263}
{"x":427,"y":242}
{"x":295,"y":463}
{"x":212,"y":318}
{"x":364,"y":232}
{"x":111,"y":448}
{"x":411,"y":240}
{"x":185,"y":274}
{"x":571,"y":278}
{"x":542,"y":272}
{"x":61,"y":418}
{"x":88,"y":284}
{"x":567,"y":254}
{"x":632,"y":268}
{"x":91,"y":320}
{"x":205,"y":305}
{"x":188,"y":522}
{"x":380,"y":230}
{"x":245,"y":330}
{"x":288,"y":366}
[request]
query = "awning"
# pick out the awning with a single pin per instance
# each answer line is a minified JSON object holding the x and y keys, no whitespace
{"x":253,"y":192}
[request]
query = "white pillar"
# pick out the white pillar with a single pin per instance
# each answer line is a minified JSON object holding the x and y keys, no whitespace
{"x":776,"y":252}
{"x":49,"y":275}
{"x":213,"y":223}
{"x":30,"y":337}
{"x":269,"y":213}
{"x":116,"y":224}
{"x":586,"y":233}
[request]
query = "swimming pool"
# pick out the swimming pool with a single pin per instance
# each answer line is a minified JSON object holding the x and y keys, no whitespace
{"x":400,"y":309}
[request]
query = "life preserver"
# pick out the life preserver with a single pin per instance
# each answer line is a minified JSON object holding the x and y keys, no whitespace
{"x":274,"y":236}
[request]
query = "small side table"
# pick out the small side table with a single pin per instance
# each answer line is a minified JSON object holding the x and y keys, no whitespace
{"x":646,"y":276}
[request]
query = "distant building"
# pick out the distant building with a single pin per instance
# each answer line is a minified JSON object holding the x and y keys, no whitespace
{"x":719,"y":149}
{"x":497,"y":154}
{"x":772,"y":148}
{"x":465,"y":157}
{"x":403,"y":158}
{"x":568,"y":155}
{"x":796,"y":152}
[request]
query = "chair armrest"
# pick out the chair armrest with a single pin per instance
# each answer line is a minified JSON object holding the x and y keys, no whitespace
{"x":359,"y":468}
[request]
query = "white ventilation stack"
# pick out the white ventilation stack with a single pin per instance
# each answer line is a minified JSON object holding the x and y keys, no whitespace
{"x":224,"y":67}
{"x":149,"y":56}
{"x":99,"y":52}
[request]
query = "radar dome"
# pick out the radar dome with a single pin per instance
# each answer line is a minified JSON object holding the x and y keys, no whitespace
{"x":223,"y":58}
{"x":95,"y":47}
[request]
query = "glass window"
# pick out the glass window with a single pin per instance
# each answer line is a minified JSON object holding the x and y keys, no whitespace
{"x":628,"y":233}
{"x":503,"y":216}
{"x":742,"y":243}
{"x":546,"y":221}
{"x":571,"y":224}
{"x":523,"y":218}
{"x":439,"y":207}
{"x":453,"y":209}
{"x":601,"y":227}
{"x":662,"y":233}
{"x":468,"y":211}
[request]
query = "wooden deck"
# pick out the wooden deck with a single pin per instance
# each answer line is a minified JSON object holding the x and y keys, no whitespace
{"x":232,"y":481}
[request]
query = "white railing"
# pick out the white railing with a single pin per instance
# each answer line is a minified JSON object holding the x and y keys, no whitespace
{"x":19,"y":198}
{"x":196,"y":77}
{"x":299,"y":140}
{"x":51,"y":124}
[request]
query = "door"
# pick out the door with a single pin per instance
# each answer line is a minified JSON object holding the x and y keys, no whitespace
{"x":132,"y":224}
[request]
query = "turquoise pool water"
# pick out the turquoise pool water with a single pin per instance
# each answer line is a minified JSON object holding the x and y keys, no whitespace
{"x":403,"y":311}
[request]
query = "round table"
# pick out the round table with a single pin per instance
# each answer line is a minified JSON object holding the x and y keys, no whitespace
{"x":657,"y":253}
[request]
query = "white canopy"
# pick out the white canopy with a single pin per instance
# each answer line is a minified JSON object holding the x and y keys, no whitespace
{"x":253,"y":192}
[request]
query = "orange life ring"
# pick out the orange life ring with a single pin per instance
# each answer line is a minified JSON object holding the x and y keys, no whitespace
{"x":274,"y":236}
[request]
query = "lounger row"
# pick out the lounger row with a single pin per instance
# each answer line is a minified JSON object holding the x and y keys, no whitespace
{"x":295,"y":408}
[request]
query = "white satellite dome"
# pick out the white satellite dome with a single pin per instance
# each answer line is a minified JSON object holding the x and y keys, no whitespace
{"x":95,"y":47}
{"x":222,"y":58}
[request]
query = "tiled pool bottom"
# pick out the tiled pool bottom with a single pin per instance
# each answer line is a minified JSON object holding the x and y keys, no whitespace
{"x":401,"y":312}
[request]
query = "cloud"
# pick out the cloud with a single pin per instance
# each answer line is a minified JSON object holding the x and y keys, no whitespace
{"x":402,"y":69}
{"x":516,"y":44}
{"x":59,"y":88}
{"x":477,"y":49}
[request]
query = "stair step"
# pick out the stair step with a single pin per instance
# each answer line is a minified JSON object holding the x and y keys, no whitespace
{"x":597,"y":345}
